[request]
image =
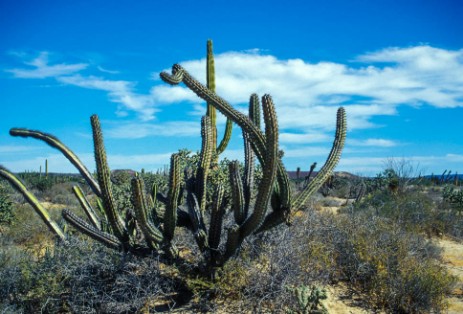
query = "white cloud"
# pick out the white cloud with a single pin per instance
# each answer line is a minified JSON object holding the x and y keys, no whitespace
{"x":7,"y":149}
{"x":41,"y":69}
{"x":120,"y":92}
{"x":305,"y":92}
{"x":373,"y":142}
{"x":101,"y":69}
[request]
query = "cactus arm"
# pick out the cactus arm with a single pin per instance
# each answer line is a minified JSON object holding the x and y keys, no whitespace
{"x":215,"y":226}
{"x":179,"y":74}
{"x":205,"y":161}
{"x":210,"y":78}
{"x":254,"y":115}
{"x":107,"y":239}
{"x":31,"y":199}
{"x":69,"y":154}
{"x":330,"y":164}
{"x":237,"y":192}
{"x":152,"y":234}
{"x":269,"y":171}
{"x":196,"y":217}
{"x":226,"y":137}
{"x":170,"y":215}
{"x":88,"y":209}
{"x":104,"y":180}
{"x":211,"y":111}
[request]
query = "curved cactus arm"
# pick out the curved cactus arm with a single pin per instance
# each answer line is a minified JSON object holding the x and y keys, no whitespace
{"x":107,"y":239}
{"x":85,"y":204}
{"x":237,"y":193}
{"x":179,"y":74}
{"x":330,"y":164}
{"x":152,"y":234}
{"x":170,"y":215}
{"x":31,"y":199}
{"x":226,"y":137}
{"x":104,"y":180}
{"x":269,"y":172}
{"x":205,"y":161}
{"x":69,"y":154}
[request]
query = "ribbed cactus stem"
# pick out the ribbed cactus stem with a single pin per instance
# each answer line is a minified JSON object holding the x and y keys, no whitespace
{"x":217,"y":212}
{"x":85,"y":204}
{"x":107,"y":239}
{"x":210,"y":77}
{"x":152,"y":234}
{"x":237,"y":192}
{"x":205,"y":161}
{"x":330,"y":164}
{"x":248,"y":186}
{"x":69,"y":154}
{"x":269,"y":171}
{"x":170,"y":215}
{"x":104,"y":180}
{"x":31,"y":199}
{"x":211,"y":111}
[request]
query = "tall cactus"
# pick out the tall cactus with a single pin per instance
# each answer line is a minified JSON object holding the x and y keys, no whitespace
{"x":272,"y":205}
{"x":211,"y":111}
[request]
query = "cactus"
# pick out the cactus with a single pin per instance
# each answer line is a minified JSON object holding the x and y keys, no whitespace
{"x":148,"y":228}
{"x":211,"y":111}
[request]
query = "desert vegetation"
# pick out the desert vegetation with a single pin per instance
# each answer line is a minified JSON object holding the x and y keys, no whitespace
{"x":214,"y":235}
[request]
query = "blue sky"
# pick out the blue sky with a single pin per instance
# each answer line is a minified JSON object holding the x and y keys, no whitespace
{"x":396,"y":66}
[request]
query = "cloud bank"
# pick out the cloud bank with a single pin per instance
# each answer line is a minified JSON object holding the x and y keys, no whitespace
{"x":306,"y":94}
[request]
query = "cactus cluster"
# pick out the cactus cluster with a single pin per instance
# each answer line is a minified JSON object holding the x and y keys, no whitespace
{"x":151,"y":225}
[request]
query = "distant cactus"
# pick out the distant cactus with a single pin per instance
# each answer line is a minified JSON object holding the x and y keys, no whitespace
{"x":147,"y":229}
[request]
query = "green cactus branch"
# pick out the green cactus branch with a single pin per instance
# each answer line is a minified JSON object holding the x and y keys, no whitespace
{"x":211,"y":111}
{"x":69,"y":154}
{"x":170,"y":216}
{"x":31,"y":199}
{"x":104,"y":180}
{"x":330,"y":164}
{"x":269,"y":170}
{"x":153,"y":235}
{"x":107,"y":239}
{"x":88,"y":209}
{"x":202,"y":172}
{"x":237,"y":192}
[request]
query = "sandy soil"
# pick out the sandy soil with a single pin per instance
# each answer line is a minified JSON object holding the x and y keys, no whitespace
{"x":453,"y":260}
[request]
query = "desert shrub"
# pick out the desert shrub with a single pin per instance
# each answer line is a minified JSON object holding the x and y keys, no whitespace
{"x":83,"y":277}
{"x":6,"y":207}
{"x":395,"y":269}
